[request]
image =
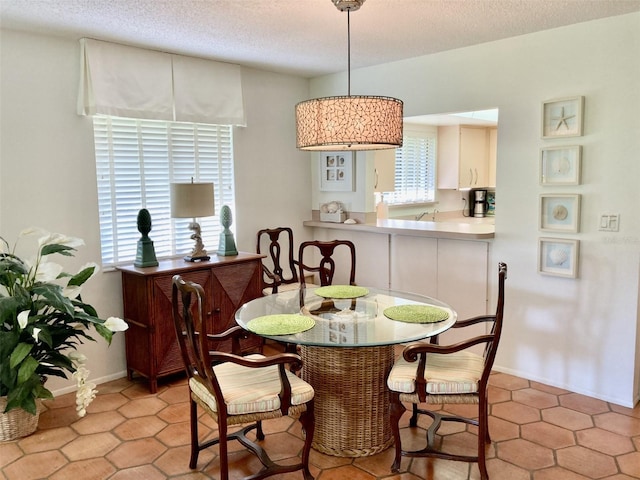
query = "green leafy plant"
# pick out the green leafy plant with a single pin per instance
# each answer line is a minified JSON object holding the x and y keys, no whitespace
{"x":42,"y":321}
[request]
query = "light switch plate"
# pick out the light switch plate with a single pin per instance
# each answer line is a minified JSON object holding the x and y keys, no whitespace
{"x":609,"y":223}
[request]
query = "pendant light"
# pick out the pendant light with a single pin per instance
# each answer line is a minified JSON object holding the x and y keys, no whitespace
{"x":351,"y":122}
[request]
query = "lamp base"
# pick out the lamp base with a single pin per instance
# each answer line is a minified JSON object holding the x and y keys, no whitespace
{"x":189,"y":258}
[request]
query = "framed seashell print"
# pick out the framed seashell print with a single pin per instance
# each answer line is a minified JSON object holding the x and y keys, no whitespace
{"x":562,"y":117}
{"x":560,"y":165}
{"x":558,"y":257}
{"x":560,"y":213}
{"x":336,"y":171}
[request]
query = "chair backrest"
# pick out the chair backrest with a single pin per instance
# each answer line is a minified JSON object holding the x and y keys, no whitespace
{"x":277,"y":243}
{"x":326,"y":267}
{"x":186,"y":300}
{"x":496,"y":329}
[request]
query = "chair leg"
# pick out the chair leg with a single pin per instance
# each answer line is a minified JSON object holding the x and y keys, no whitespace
{"x":483,"y":437}
{"x":195,"y":448}
{"x":413,"y":422}
{"x":259,"y":432}
{"x":224,"y":454}
{"x":307,"y":419}
{"x":396,"y":411}
{"x":486,"y":420}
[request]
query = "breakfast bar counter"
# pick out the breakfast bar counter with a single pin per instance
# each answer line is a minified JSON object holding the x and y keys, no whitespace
{"x":467,"y":230}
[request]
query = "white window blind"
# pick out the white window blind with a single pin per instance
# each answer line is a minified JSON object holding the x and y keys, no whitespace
{"x":415,"y":170}
{"x":136,"y":161}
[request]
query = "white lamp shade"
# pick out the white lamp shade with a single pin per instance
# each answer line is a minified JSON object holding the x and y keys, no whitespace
{"x":349,"y":123}
{"x":191,"y":200}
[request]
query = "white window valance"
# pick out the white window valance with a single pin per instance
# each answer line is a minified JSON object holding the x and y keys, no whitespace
{"x":126,"y":81}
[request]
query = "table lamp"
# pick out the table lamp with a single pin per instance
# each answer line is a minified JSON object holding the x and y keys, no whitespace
{"x":191,"y":200}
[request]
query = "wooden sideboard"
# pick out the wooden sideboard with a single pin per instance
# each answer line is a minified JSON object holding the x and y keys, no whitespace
{"x":151,"y":344}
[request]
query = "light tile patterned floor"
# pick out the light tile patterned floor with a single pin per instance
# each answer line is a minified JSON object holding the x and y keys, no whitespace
{"x":539,"y":433}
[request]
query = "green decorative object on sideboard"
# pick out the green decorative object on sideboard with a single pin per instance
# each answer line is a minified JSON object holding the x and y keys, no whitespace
{"x":146,"y":254}
{"x":227,"y":245}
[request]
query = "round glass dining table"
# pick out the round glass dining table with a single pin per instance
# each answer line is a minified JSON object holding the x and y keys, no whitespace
{"x":347,"y":356}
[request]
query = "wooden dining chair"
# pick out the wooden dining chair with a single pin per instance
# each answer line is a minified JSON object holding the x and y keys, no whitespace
{"x":281,"y":273}
{"x":237,"y":390}
{"x":437,"y":374}
{"x":325,"y":267}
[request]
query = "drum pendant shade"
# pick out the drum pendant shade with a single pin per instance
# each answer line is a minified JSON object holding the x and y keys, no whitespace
{"x":351,"y":122}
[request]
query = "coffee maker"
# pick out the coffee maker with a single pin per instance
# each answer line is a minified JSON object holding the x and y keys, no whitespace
{"x":479,"y":203}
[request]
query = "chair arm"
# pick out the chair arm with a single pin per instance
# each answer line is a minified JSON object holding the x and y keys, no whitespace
{"x":435,"y":340}
{"x":275,"y":282}
{"x":236,"y":331}
{"x":235,"y":334}
{"x":413,"y":351}
{"x":473,"y":321}
{"x":281,"y":360}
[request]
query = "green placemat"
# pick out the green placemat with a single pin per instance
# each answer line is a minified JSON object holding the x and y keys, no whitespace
{"x":416,"y":313}
{"x":284,"y":324}
{"x":341,"y":291}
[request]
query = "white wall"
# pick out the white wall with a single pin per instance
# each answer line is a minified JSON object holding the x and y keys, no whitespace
{"x":47,"y":166}
{"x":579,"y":334}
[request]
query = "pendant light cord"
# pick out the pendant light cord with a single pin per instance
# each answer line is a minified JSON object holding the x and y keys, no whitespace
{"x":348,"y":53}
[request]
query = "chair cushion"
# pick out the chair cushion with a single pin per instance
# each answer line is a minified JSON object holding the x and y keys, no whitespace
{"x":454,"y":373}
{"x":251,"y":390}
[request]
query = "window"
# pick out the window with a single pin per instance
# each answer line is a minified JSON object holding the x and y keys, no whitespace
{"x":415,"y":169}
{"x":136,"y":161}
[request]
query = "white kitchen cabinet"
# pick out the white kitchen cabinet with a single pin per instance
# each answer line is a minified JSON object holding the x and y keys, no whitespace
{"x":453,"y":271}
{"x":414,"y":265}
{"x":462,"y":275}
{"x":385,"y":170}
{"x":462,"y":283}
{"x":463,"y":157}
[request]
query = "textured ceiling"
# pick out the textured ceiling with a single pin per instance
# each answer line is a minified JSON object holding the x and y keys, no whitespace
{"x":303,"y":37}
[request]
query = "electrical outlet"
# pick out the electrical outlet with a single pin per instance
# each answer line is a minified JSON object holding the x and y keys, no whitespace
{"x":609,"y":223}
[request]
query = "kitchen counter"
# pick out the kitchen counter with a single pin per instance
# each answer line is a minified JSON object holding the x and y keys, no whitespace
{"x":464,"y":229}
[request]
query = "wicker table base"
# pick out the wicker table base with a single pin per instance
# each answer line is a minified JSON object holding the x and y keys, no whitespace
{"x":351,"y":398}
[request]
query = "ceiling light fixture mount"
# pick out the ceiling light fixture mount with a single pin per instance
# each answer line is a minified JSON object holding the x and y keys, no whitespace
{"x":351,"y":122}
{"x":348,"y":5}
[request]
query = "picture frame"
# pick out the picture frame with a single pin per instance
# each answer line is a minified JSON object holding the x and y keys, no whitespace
{"x":336,"y":172}
{"x":560,"y":213}
{"x":558,"y":257}
{"x":560,"y":165}
{"x":562,"y":117}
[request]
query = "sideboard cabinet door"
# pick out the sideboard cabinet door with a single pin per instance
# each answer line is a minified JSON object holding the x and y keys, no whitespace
{"x":234,"y":285}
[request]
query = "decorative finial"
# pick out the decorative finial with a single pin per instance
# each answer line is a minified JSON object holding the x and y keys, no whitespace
{"x":145,"y":254}
{"x":227,"y":245}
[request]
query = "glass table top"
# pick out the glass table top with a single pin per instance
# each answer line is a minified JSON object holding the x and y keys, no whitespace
{"x":355,"y":322}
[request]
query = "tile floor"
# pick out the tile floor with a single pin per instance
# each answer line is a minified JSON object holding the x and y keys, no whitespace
{"x":539,"y":433}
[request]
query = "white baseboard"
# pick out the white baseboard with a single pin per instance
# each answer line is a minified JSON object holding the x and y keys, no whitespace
{"x":618,"y":401}
{"x":97,"y":381}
